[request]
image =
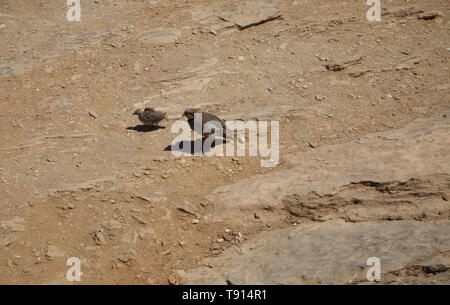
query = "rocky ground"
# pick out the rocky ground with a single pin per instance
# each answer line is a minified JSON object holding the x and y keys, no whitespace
{"x":363,"y":109}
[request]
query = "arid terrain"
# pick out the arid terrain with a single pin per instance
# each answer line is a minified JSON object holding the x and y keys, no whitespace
{"x":364,"y":135}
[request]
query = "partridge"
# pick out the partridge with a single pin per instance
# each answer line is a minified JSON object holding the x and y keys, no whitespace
{"x":150,"y":116}
{"x":209,"y":121}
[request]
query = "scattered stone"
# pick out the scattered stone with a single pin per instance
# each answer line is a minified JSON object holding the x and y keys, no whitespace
{"x":162,"y":37}
{"x":14,"y":225}
{"x":195,"y":221}
{"x":251,"y":14}
{"x":147,"y":233}
{"x":98,"y":237}
{"x":204,"y":204}
{"x":216,"y":251}
{"x":150,"y":167}
{"x":127,"y":255}
{"x":139,"y":219}
{"x":355,"y":73}
{"x":51,"y":159}
{"x":343,"y":63}
{"x":111,"y":225}
{"x":429,"y":15}
{"x":320,"y":98}
{"x":173,"y":279}
{"x":409,"y":64}
{"x":186,"y":209}
{"x":227,"y":236}
{"x":36,"y":252}
{"x":130,"y":237}
{"x":221,"y":27}
{"x":166,"y":252}
{"x":93,"y":114}
{"x":219,"y":166}
{"x":53,"y":252}
{"x":66,"y":206}
{"x":400,"y":11}
{"x":322,"y":58}
{"x":5,"y":240}
{"x":444,"y":197}
{"x":152,"y":199}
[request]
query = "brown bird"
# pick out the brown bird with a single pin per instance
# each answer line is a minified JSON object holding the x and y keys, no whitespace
{"x":150,"y":116}
{"x":209,"y":121}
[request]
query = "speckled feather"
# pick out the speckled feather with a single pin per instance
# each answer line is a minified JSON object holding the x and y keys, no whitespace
{"x":151,"y":117}
{"x":208,"y":117}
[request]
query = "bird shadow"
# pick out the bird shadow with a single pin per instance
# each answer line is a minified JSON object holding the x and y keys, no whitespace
{"x":192,"y":147}
{"x":145,"y":128}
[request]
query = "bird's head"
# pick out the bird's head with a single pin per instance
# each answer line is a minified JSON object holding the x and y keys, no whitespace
{"x":189,"y":113}
{"x":137,"y":112}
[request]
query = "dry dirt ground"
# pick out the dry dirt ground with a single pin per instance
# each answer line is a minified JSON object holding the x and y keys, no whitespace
{"x":79,"y":178}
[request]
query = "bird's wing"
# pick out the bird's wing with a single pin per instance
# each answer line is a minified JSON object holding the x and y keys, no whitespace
{"x":212,"y":126}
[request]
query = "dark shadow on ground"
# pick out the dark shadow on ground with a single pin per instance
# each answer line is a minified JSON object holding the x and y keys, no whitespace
{"x":190,"y":147}
{"x":145,"y":128}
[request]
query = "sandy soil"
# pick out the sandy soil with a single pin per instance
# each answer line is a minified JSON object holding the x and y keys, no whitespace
{"x":73,"y":162}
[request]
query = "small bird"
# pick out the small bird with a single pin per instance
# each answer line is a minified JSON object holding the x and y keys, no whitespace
{"x":150,"y":116}
{"x":210,"y":121}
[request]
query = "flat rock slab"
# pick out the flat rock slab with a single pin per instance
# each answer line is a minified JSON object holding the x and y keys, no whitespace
{"x":200,"y":68}
{"x":55,"y":48}
{"x":343,"y":63}
{"x":250,"y":14}
{"x":16,"y":224}
{"x":163,"y":36}
{"x":5,"y":240}
{"x":400,"y":11}
{"x":418,"y":149}
{"x":54,"y":252}
{"x":326,"y":253}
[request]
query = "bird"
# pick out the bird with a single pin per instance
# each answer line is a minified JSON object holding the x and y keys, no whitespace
{"x":209,"y":121}
{"x":150,"y":116}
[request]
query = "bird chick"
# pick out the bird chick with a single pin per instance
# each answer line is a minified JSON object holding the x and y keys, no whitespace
{"x":150,"y":116}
